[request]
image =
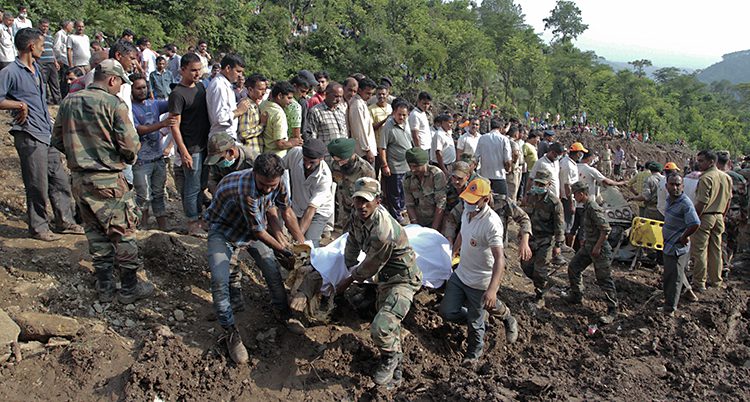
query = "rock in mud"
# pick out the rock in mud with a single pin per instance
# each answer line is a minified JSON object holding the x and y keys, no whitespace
{"x":41,"y":326}
{"x":9,"y":330}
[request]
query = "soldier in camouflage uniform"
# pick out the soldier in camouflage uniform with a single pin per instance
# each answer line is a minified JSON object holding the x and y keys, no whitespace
{"x":548,"y":226}
{"x":391,"y":258}
{"x":596,"y":250}
{"x":225,"y":157}
{"x":460,"y":177}
{"x":736,"y":215}
{"x":424,"y":190}
{"x":346,"y":168}
{"x":94,"y":130}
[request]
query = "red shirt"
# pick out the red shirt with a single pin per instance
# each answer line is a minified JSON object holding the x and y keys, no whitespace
{"x":317,"y":98}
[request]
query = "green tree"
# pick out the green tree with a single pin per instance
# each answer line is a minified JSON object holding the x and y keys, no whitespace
{"x":565,"y":21}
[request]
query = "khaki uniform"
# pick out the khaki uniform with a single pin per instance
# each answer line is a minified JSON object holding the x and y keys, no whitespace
{"x":736,"y":218}
{"x":714,"y":191}
{"x":391,"y":258}
{"x":548,"y":226}
{"x":514,"y":177}
{"x":94,"y":130}
{"x":425,"y":194}
{"x":606,"y":167}
{"x":594,"y":223}
{"x":344,"y":179}
{"x":650,"y":190}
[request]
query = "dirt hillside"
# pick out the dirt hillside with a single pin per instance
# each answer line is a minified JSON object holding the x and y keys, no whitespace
{"x":165,"y":348}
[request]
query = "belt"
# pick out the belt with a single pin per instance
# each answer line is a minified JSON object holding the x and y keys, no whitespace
{"x":713,"y":213}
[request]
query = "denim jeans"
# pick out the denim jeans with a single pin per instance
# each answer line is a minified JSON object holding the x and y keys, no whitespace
{"x":195,"y":182}
{"x":149,"y":179}
{"x":462,"y":303}
{"x":219,"y":256}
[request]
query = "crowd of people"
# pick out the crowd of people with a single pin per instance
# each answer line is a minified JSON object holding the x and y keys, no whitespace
{"x":262,"y":165}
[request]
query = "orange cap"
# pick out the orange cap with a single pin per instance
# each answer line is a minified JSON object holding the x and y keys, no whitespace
{"x":671,"y":166}
{"x":577,"y":146}
{"x":476,"y":189}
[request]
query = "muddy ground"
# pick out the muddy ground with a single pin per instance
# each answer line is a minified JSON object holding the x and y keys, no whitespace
{"x":165,"y":348}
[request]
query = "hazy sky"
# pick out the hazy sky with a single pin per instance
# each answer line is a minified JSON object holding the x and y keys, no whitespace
{"x":668,"y":32}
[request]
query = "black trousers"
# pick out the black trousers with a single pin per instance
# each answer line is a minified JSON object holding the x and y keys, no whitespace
{"x":52,"y":79}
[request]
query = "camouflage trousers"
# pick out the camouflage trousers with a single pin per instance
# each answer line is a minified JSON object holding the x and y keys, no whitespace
{"x":110,"y":216}
{"x":452,"y":222}
{"x":537,"y":267}
{"x":602,"y":270}
{"x":394,"y":302}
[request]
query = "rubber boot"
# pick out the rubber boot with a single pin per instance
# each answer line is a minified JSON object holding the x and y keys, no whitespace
{"x":132,"y":289}
{"x":387,"y":366}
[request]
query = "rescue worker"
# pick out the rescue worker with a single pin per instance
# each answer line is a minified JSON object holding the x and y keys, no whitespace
{"x":346,"y":168}
{"x":424,"y":190}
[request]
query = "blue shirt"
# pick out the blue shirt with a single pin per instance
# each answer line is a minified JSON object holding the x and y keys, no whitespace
{"x":160,"y":84}
{"x":679,"y":215}
{"x":238,"y":209}
{"x":145,"y":114}
{"x":48,"y":55}
{"x":18,"y":83}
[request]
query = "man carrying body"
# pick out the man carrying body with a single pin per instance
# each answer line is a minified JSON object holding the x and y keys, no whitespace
{"x":245,"y":211}
{"x":595,"y":249}
{"x":94,"y":130}
{"x":424,"y":190}
{"x":546,"y":213}
{"x":312,"y":201}
{"x":23,"y":92}
{"x":389,"y":256}
{"x":473,"y":286}
{"x":346,"y":168}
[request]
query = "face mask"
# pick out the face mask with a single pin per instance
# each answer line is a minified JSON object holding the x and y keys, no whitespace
{"x":225,"y":163}
{"x":23,"y":15}
{"x":470,"y":207}
{"x":536,"y":190}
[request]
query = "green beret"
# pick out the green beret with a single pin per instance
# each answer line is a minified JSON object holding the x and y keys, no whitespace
{"x":417,"y":155}
{"x":341,"y":147}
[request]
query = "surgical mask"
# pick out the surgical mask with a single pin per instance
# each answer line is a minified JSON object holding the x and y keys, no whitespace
{"x":536,"y":190}
{"x":225,"y":163}
{"x":470,"y":207}
{"x":23,"y":15}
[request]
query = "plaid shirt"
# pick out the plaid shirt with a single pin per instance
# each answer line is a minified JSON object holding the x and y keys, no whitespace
{"x":326,"y":124}
{"x":249,"y":129}
{"x":238,"y":209}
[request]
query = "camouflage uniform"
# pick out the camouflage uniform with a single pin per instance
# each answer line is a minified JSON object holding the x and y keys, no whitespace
{"x":735,"y":219}
{"x":94,"y":130}
{"x":425,"y":194}
{"x":650,"y":190}
{"x":391,"y":258}
{"x":594,"y":223}
{"x":455,"y":208}
{"x":344,"y":177}
{"x":548,"y":227}
{"x":216,"y":173}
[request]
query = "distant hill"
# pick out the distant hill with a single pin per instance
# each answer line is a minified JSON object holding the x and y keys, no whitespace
{"x":735,"y":68}
{"x":620,"y":65}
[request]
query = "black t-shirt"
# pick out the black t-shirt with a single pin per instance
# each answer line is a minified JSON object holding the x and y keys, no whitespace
{"x":190,"y":104}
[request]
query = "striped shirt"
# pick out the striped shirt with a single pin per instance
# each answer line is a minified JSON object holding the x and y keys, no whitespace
{"x":238,"y":209}
{"x":680,"y":215}
{"x":48,"y":55}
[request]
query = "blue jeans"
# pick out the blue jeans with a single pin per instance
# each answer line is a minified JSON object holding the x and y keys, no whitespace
{"x":462,"y":303}
{"x":394,"y":192}
{"x":149,"y":179}
{"x":195,"y":181}
{"x":219,"y":255}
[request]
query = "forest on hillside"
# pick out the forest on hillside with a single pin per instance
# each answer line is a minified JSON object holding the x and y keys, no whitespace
{"x":455,"y":49}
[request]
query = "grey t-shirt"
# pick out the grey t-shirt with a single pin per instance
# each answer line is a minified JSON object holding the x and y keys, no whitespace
{"x":396,"y":140}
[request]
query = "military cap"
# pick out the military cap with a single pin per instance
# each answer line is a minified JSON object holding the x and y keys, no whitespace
{"x":217,"y":145}
{"x":417,"y":155}
{"x":543,"y":176}
{"x":367,"y":188}
{"x":342,"y":147}
{"x":461,"y":169}
{"x":579,"y":187}
{"x":113,"y":67}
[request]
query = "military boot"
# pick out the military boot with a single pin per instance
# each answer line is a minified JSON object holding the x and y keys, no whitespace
{"x":133,"y":289}
{"x":539,"y":298}
{"x":384,"y":372}
{"x":573,"y":297}
{"x":398,"y":373}
{"x":105,"y":285}
{"x":609,"y":318}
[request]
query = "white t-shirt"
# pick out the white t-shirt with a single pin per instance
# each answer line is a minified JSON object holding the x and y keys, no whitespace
{"x":592,"y":177}
{"x":661,"y":195}
{"x":19,"y":25}
{"x":149,"y":59}
{"x":568,"y":174}
{"x":553,"y":168}
{"x":442,"y":141}
{"x":468,"y":143}
{"x":493,"y":150}
{"x":690,"y":183}
{"x":314,"y":190}
{"x":81,"y":49}
{"x":7,"y":49}
{"x":485,"y":230}
{"x":418,"y":121}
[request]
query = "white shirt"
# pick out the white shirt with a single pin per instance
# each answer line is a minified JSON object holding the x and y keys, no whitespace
{"x":690,"y":183}
{"x":360,"y":126}
{"x":553,"y":168}
{"x":81,"y":47}
{"x":7,"y":49}
{"x":149,"y":59}
{"x":468,"y":143}
{"x":493,"y":150}
{"x":443,"y":142}
{"x":485,"y":230}
{"x":221,"y":106}
{"x":592,"y":177}
{"x":311,"y":191}
{"x":568,"y":174}
{"x":418,"y":121}
{"x":19,"y":25}
{"x":60,"y":47}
